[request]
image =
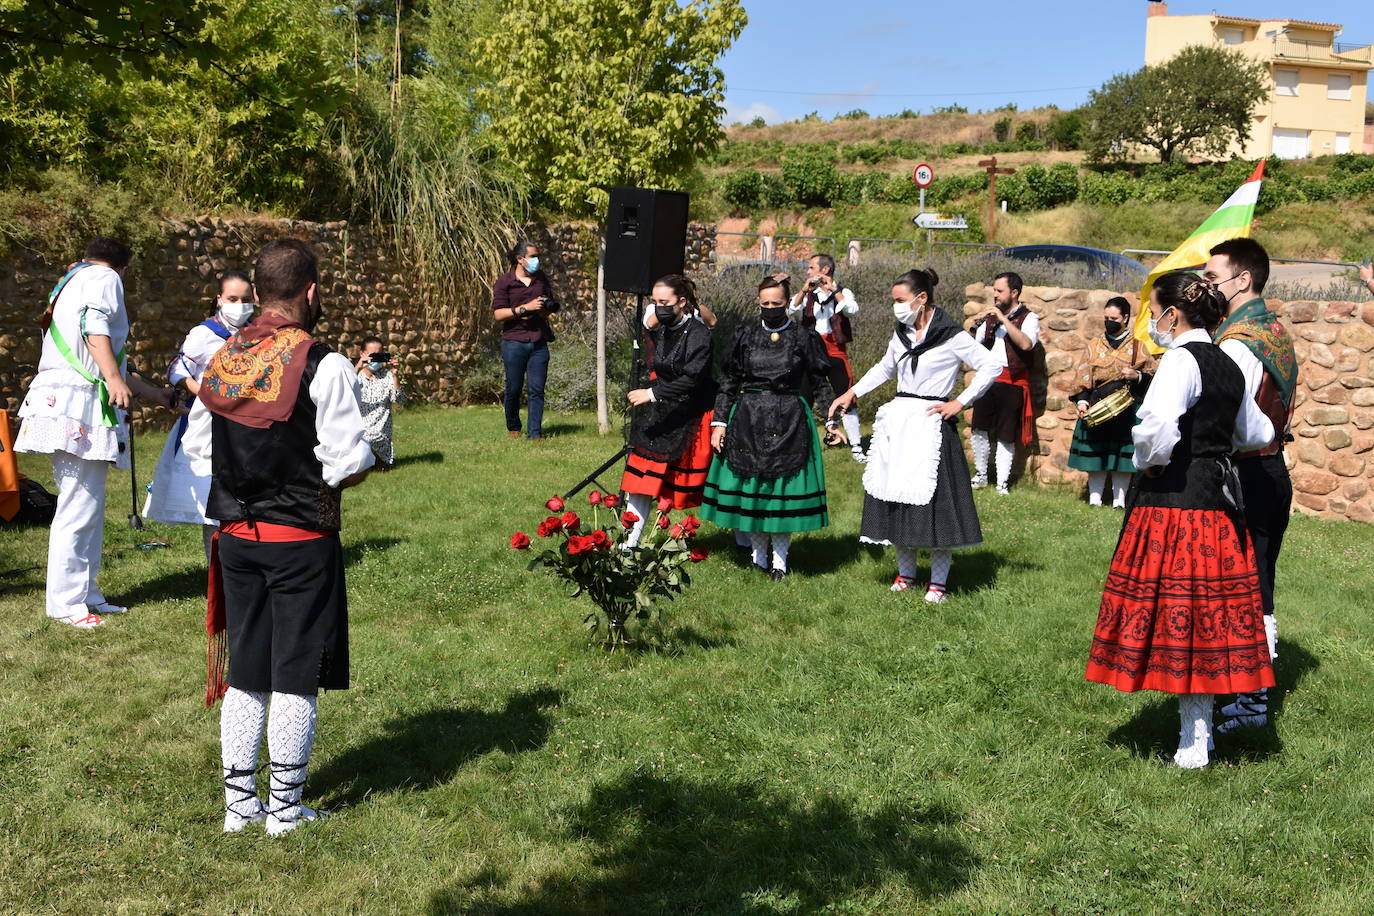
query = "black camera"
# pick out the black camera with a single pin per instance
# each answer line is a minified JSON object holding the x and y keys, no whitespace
{"x":551,"y":304}
{"x":381,"y":356}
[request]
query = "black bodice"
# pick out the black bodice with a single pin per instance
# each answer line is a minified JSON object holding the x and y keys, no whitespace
{"x":1199,"y":466}
{"x":770,"y":432}
{"x":684,"y":388}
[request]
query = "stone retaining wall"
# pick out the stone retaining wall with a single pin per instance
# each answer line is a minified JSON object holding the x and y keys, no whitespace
{"x":366,"y":290}
{"x":1332,"y":457}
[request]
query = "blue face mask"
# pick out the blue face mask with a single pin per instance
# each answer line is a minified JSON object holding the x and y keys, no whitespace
{"x":376,"y":367}
{"x":531,"y":264}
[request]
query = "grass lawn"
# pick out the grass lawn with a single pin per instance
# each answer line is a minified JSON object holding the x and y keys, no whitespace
{"x":815,"y":745}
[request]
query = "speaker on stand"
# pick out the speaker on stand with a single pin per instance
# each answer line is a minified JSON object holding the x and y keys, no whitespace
{"x":646,"y":238}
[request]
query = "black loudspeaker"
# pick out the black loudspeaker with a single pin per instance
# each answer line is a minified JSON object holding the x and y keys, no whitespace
{"x":646,"y":237}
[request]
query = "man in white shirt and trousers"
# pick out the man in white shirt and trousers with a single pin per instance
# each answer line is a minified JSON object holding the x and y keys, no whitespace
{"x":75,"y":411}
{"x":826,"y":307}
{"x":1011,"y":331}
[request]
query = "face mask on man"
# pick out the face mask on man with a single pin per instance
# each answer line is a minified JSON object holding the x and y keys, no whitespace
{"x":666,"y":315}
{"x":532,"y":264}
{"x":905,"y":311}
{"x":773,"y":318}
{"x":374,"y":366}
{"x":235,"y":314}
{"x":1161,"y":338}
{"x":1114,"y":327}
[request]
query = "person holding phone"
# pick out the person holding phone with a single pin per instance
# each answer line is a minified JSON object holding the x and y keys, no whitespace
{"x":522,"y":301}
{"x":379,"y":386}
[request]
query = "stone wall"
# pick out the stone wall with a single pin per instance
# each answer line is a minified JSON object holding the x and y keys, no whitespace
{"x":1332,"y":457}
{"x":366,"y":290}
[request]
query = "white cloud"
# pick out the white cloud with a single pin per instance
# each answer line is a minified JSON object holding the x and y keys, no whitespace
{"x":735,"y":114}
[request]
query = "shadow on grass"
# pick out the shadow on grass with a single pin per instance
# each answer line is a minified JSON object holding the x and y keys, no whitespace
{"x":422,"y":458}
{"x":816,"y":554}
{"x":190,"y":581}
{"x":424,"y":750}
{"x":972,"y":570}
{"x":549,"y":430}
{"x":1154,"y":729}
{"x":669,"y":845}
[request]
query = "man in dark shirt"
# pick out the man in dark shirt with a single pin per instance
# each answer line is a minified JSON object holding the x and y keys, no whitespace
{"x":520,"y":298}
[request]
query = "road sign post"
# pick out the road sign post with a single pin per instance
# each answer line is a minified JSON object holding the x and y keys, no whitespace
{"x":923,"y":175}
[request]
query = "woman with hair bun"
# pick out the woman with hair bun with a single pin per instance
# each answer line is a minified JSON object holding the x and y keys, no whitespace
{"x":917,"y":492}
{"x":1181,"y":611}
{"x":670,"y":435}
{"x":767,"y":478}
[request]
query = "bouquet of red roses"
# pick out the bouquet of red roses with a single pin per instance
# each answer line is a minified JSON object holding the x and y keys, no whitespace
{"x":622,"y":581}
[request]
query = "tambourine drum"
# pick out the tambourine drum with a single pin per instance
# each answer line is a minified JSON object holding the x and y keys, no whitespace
{"x":1110,"y":407}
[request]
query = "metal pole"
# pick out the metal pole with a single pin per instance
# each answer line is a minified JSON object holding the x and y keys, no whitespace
{"x":603,"y":409}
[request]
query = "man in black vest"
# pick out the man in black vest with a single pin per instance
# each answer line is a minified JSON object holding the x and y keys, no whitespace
{"x":278,"y":428}
{"x":1010,"y":331}
{"x":825,"y":307}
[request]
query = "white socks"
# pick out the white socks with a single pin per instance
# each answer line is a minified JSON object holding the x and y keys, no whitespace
{"x":781,"y":543}
{"x":981,"y":444}
{"x":290,"y":737}
{"x":906,"y":562}
{"x":1195,"y":730}
{"x":1006,"y":451}
{"x":1120,"y":482}
{"x":641,"y":505}
{"x":1097,"y":484}
{"x":242,"y":720}
{"x":742,"y":539}
{"x":1271,"y":635}
{"x":940,"y":562}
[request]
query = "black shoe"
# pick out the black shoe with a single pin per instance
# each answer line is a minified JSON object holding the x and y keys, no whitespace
{"x":778,"y":574}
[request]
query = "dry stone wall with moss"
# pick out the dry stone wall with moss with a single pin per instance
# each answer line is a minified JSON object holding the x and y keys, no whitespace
{"x":366,"y":290}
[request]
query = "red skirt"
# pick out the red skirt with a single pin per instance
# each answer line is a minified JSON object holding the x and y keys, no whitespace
{"x":1181,"y":610}
{"x":682,"y":480}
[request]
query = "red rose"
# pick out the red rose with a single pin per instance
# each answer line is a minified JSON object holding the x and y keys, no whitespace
{"x":579,"y":544}
{"x":520,"y":540}
{"x":610,"y":501}
{"x":571,"y":521}
{"x":691,"y":523}
{"x":600,"y":539}
{"x":698,"y":554}
{"x":554,"y":505}
{"x":628,"y":518}
{"x":677,"y":531}
{"x":550,"y":525}
{"x":664,"y":521}
{"x":665,"y":504}
{"x":594,"y":497}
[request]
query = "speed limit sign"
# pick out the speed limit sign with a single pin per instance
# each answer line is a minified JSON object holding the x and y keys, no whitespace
{"x":923,"y":175}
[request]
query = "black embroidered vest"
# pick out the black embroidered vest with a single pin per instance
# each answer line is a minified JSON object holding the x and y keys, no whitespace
{"x":272,"y":475}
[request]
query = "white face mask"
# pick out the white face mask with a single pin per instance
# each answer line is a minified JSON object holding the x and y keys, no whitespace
{"x":906,"y":311}
{"x":1161,"y":338}
{"x":235,"y":313}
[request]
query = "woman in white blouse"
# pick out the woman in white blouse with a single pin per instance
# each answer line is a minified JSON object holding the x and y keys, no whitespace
{"x":1181,"y":611}
{"x":916,"y":485}
{"x":177,"y":496}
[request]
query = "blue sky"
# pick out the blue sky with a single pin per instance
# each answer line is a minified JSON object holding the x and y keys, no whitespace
{"x":797,"y":56}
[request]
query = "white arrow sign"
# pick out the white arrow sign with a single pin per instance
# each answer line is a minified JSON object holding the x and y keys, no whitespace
{"x":937,"y":221}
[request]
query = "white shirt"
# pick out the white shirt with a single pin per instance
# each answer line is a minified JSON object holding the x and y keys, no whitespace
{"x":826,"y":308}
{"x":1030,"y":327}
{"x":1176,"y":388}
{"x":92,"y":302}
{"x":200,"y":344}
{"x":338,"y":424}
{"x":938,"y":370}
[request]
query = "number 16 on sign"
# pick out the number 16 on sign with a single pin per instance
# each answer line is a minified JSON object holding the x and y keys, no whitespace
{"x":923,"y":175}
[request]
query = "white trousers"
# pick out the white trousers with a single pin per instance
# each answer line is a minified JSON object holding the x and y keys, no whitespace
{"x":77,"y":536}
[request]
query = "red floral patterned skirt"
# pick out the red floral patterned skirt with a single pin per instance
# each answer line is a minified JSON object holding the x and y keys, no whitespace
{"x":682,"y":480}
{"x":1181,"y":610}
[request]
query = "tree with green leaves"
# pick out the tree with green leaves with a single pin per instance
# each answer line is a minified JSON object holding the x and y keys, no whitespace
{"x":1197,"y":103}
{"x":585,"y":94}
{"x":142,"y":34}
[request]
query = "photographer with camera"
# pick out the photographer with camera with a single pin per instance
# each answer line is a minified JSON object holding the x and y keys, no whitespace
{"x":379,"y":386}
{"x":522,"y":301}
{"x":824,"y":307}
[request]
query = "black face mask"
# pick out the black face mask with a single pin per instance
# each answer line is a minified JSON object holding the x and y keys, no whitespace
{"x":1114,"y":328}
{"x":773,"y":318}
{"x":666,"y":315}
